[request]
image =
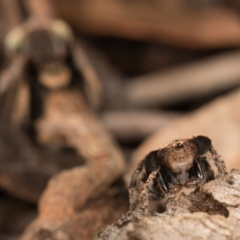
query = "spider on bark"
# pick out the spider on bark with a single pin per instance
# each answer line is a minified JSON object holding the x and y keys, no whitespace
{"x":183,"y":163}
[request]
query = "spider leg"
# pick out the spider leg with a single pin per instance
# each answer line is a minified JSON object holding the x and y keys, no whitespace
{"x":134,"y":190}
{"x":140,"y":176}
{"x":136,"y":174}
{"x":145,"y":192}
{"x":222,"y":168}
{"x":220,"y":165}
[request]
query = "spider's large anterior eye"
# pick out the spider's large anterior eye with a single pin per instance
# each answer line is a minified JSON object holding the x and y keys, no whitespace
{"x":179,"y":145}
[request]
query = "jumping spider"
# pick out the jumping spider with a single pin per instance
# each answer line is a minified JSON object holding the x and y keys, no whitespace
{"x":183,"y":163}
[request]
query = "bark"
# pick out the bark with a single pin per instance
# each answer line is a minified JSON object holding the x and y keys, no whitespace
{"x":181,"y":84}
{"x":210,"y":212}
{"x":11,"y":14}
{"x":44,"y":131}
{"x":177,"y":22}
{"x":130,"y":126}
{"x":66,"y":221}
{"x":39,"y":9}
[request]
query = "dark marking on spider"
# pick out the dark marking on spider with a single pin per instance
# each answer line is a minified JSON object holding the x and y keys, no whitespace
{"x":183,"y":163}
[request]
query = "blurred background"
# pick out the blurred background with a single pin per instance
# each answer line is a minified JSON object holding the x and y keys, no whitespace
{"x":146,"y":72}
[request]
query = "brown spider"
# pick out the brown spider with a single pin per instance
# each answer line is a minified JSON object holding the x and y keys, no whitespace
{"x":165,"y":171}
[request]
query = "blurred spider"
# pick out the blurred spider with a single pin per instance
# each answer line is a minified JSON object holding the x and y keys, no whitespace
{"x":183,"y":163}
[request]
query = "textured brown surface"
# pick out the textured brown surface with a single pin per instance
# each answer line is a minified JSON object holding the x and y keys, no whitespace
{"x":130,"y":126}
{"x":183,"y":83}
{"x":182,"y":23}
{"x":25,"y":168}
{"x":76,"y":222}
{"x":211,"y":212}
{"x":47,"y":126}
{"x":185,"y":226}
{"x":69,"y":122}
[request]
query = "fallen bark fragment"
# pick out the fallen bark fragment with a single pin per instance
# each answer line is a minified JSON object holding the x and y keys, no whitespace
{"x":130,"y":126}
{"x":207,"y":213}
{"x":178,"y":23}
{"x":192,"y":81}
{"x":46,"y":113}
{"x":185,"y":226}
{"x":10,"y":10}
{"x":68,"y":221}
{"x":15,"y":215}
{"x":42,"y":9}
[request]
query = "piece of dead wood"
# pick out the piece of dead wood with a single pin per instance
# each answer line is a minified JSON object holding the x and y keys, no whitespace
{"x":91,"y":74}
{"x":130,"y":126}
{"x":49,"y":125}
{"x":69,"y":122}
{"x":39,"y":9}
{"x":53,"y":116}
{"x":176,"y":22}
{"x":110,"y":94}
{"x":210,"y":212}
{"x":219,"y":120}
{"x":192,"y":81}
{"x":39,"y":138}
{"x":15,"y":215}
{"x":11,"y":14}
{"x":44,"y":9}
{"x":61,"y":218}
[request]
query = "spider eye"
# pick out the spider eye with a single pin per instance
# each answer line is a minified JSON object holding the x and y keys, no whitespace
{"x":179,"y":145}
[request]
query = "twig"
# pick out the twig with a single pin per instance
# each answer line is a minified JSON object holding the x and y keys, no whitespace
{"x":11,"y":14}
{"x":41,"y":9}
{"x":135,"y":125}
{"x":194,"y":80}
{"x":176,"y":23}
